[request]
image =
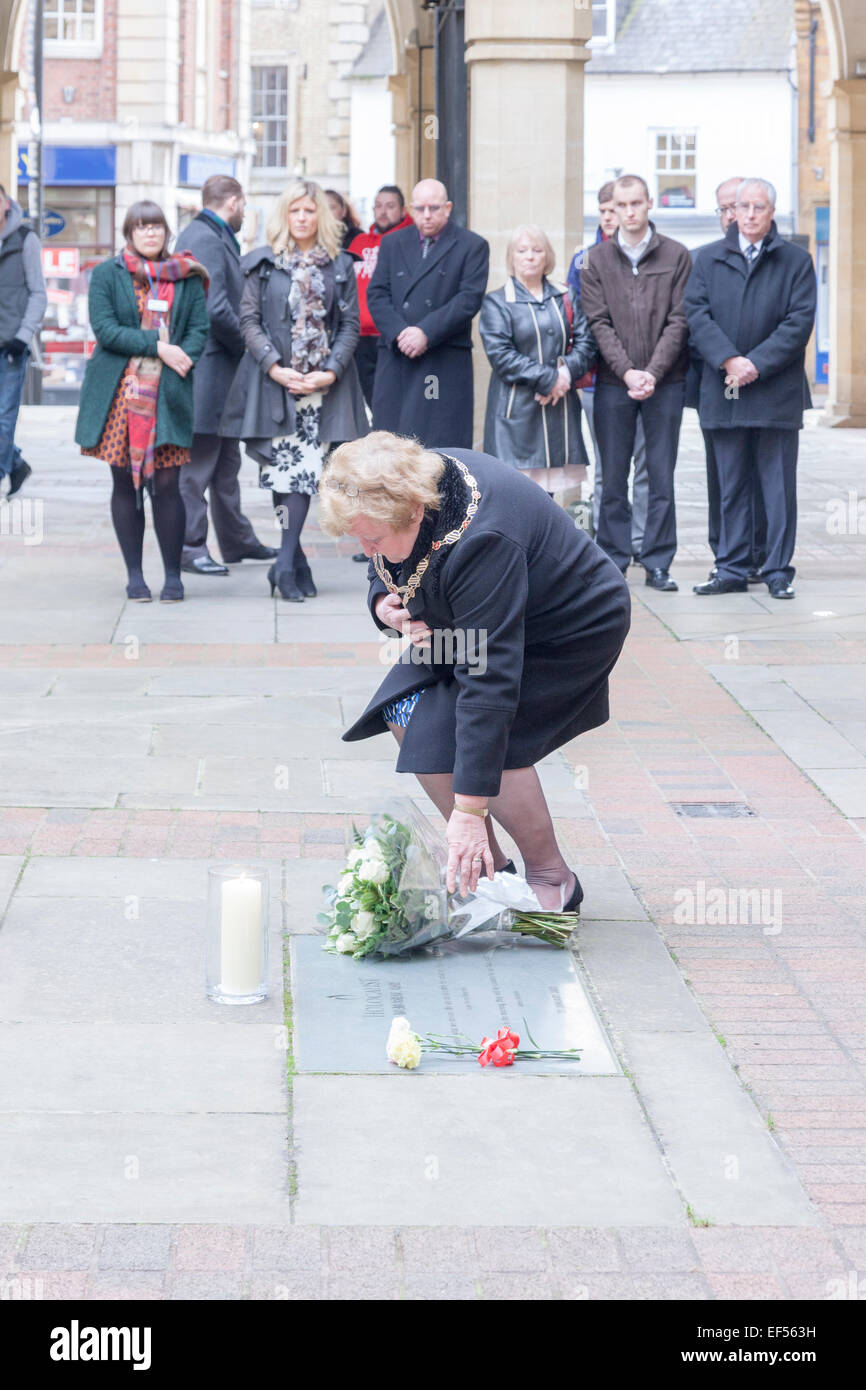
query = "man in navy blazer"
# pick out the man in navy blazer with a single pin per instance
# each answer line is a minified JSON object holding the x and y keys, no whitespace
{"x":428,"y":286}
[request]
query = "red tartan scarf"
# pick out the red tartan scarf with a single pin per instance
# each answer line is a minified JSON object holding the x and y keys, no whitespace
{"x":142,"y":385}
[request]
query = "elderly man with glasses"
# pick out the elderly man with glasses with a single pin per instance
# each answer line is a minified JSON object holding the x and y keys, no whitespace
{"x":428,"y":286}
{"x":750,"y":305}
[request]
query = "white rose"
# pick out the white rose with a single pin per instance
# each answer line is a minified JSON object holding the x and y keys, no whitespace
{"x":373,"y":870}
{"x":346,"y":942}
{"x":355,"y":856}
{"x":373,"y":850}
{"x":345,"y":885}
{"x":406,"y":1051}
{"x":363,"y":925}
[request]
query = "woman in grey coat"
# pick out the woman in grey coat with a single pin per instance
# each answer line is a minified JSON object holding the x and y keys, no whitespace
{"x":539,"y":344}
{"x":296,"y":391}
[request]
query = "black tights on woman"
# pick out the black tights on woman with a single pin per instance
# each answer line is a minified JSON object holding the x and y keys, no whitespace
{"x":169,"y":519}
{"x":291,"y":509}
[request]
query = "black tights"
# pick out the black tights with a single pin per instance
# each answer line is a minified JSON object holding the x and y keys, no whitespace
{"x":291,"y":509}
{"x":169,"y":519}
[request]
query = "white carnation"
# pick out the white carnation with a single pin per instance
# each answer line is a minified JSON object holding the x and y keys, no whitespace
{"x":406,"y":1051}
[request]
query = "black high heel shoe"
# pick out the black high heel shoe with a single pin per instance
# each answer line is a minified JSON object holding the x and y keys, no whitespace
{"x":576,"y":898}
{"x":304,"y":580}
{"x":285,"y":582}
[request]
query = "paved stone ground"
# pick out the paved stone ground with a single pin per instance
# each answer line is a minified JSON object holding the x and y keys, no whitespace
{"x":151,"y":737}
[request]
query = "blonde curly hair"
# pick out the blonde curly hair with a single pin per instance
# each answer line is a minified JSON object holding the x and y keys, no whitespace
{"x":394,"y":475}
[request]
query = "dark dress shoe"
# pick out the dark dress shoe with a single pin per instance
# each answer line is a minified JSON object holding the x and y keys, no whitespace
{"x":361,"y":558}
{"x":138,"y":592}
{"x":172,"y":590}
{"x":660,"y":579}
{"x":721,"y":586}
{"x":18,"y":476}
{"x":753,"y":577}
{"x":780,"y":588}
{"x":255,"y":552}
{"x":203,"y":564}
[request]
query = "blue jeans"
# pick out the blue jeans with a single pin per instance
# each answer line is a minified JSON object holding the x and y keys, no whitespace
{"x":12,"y":373}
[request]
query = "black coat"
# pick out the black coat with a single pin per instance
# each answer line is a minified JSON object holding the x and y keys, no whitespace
{"x":214,"y":246}
{"x":766,"y":316}
{"x":525,"y":340}
{"x":429,"y":396}
{"x":258,"y":410}
{"x":555,"y":611}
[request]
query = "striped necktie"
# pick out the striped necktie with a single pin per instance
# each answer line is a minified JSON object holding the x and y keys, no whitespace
{"x":425,"y":248}
{"x":751,"y":254}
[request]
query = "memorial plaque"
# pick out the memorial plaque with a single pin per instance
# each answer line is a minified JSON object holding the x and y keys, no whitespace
{"x":343,"y":1007}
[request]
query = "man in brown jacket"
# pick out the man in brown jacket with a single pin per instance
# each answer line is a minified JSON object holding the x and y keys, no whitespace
{"x":632,"y":292}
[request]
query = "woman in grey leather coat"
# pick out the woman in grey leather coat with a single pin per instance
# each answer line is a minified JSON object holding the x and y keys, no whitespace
{"x":539,"y":344}
{"x":296,"y":391}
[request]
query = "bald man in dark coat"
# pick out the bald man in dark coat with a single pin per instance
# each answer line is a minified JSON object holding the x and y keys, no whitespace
{"x":428,"y":286}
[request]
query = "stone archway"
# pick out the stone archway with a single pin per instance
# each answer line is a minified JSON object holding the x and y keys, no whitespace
{"x":846,"y":27}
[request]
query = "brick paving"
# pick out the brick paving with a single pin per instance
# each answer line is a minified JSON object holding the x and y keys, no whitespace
{"x":257,"y":1262}
{"x":782,"y":985}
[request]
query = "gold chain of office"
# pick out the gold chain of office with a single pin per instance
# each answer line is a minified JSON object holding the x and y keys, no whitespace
{"x":407,"y":591}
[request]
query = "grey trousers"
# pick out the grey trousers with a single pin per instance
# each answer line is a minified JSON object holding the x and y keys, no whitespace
{"x":640,"y":481}
{"x":214,"y":465}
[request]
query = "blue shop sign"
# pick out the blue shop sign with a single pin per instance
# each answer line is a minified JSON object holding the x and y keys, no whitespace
{"x":93,"y":166}
{"x":53,"y":223}
{"x":193,"y":169}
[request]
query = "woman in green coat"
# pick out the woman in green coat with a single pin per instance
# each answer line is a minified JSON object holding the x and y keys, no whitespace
{"x":149,"y":317}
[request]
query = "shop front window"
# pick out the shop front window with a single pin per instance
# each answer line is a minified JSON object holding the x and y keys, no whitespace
{"x":78,"y":234}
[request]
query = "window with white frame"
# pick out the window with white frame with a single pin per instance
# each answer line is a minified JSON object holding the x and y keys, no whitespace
{"x":603,"y":23}
{"x":73,"y":28}
{"x":675,"y":169}
{"x":270,"y":116}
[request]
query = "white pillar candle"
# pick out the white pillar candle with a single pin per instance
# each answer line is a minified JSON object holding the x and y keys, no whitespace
{"x":240,"y":935}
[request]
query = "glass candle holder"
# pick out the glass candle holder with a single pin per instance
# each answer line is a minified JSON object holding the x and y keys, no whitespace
{"x":237,"y":934}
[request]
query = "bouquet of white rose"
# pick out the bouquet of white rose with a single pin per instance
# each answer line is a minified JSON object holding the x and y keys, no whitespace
{"x":391,"y":897}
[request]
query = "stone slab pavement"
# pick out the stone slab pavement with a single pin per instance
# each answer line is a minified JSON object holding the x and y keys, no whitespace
{"x":152,"y":1150}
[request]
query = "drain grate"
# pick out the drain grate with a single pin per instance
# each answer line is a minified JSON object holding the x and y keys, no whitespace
{"x":723,"y":809}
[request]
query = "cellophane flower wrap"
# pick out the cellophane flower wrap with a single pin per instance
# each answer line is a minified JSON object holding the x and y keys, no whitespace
{"x":391,"y":898}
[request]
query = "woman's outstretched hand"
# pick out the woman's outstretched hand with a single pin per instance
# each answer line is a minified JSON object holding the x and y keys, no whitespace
{"x":468,"y":852}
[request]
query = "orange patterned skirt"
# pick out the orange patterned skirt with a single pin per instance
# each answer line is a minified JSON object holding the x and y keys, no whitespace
{"x":113,"y":444}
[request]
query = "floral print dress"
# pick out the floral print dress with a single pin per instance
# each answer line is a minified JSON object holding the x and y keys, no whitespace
{"x":296,"y":459}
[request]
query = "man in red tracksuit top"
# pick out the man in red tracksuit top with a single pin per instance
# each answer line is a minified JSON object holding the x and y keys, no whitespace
{"x":389,"y":213}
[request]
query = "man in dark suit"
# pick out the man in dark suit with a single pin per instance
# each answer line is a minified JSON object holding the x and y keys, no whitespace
{"x":750,"y":305}
{"x":215,"y":461}
{"x":726,"y":207}
{"x":428,"y":286}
